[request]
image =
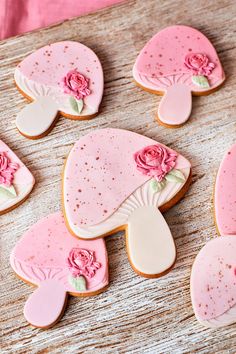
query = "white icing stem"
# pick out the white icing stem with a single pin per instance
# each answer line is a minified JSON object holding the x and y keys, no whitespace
{"x":37,"y":117}
{"x":176,"y":105}
{"x":150,"y":244}
{"x":45,"y":306}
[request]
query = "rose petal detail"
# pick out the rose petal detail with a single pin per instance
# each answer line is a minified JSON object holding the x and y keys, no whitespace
{"x":82,"y":262}
{"x":199,"y":64}
{"x":155,"y":161}
{"x":76,"y":84}
{"x":7,"y":170}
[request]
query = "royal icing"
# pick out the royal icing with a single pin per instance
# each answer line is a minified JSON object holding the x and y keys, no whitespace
{"x":213,"y":278}
{"x":82,"y":264}
{"x":44,"y":110}
{"x":109,"y":175}
{"x":213,"y":282}
{"x":7,"y":170}
{"x":199,"y":64}
{"x":64,"y":77}
{"x":50,"y":257}
{"x":225,"y":194}
{"x":16,"y":181}
{"x":155,"y":161}
{"x":177,"y":61}
{"x":75,"y":84}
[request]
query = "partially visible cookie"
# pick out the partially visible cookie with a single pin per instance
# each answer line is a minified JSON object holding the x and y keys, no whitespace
{"x":213,"y":283}
{"x":213,"y":278}
{"x":178,"y":61}
{"x":225,"y":194}
{"x":16,"y":181}
{"x":49,"y":257}
{"x":63,"y":77}
{"x":114,"y":180}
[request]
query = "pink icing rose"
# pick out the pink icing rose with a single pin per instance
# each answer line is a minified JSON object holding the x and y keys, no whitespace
{"x":7,"y":170}
{"x":82,"y":262}
{"x":199,"y":64}
{"x":76,"y":84}
{"x":155,"y":161}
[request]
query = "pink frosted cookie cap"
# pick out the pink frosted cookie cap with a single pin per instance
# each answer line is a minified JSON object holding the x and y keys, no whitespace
{"x":42,"y":73}
{"x":213,"y":282}
{"x":43,"y":251}
{"x":213,"y":278}
{"x":163,"y":58}
{"x":50,"y":257}
{"x":225,"y":194}
{"x":23,"y":181}
{"x":101,"y":173}
{"x":63,"y":77}
{"x":178,"y":61}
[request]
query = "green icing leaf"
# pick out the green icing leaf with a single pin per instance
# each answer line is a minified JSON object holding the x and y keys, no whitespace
{"x":175,"y":176}
{"x":73,"y":103}
{"x":76,"y":105}
{"x":157,"y":186}
{"x":78,"y":283}
{"x":200,"y":81}
{"x":80,"y":105}
{"x":8,"y":190}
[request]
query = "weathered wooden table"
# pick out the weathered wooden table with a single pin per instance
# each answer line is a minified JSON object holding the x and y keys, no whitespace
{"x":135,"y":314}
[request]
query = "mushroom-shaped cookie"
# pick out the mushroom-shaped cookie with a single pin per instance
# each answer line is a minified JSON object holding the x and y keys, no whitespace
{"x":213,"y":278}
{"x":49,"y":257}
{"x":64,"y":77}
{"x":16,"y":181}
{"x":178,"y":61}
{"x":118,"y":180}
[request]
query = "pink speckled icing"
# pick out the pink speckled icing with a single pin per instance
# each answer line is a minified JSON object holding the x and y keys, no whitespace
{"x":225,"y":194}
{"x":164,"y":57}
{"x":43,"y":250}
{"x":48,"y":66}
{"x":178,"y":60}
{"x":101,"y":173}
{"x":41,"y":258}
{"x":23,"y":180}
{"x":213,"y":280}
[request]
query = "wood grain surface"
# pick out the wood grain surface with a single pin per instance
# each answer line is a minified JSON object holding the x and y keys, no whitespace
{"x":135,"y":315}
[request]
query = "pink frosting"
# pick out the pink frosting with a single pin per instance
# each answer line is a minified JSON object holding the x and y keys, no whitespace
{"x":50,"y":64}
{"x":225,"y":194}
{"x":101,"y":173}
{"x":82,"y":262}
{"x":76,"y":84}
{"x":213,"y":278}
{"x":155,"y":161}
{"x":162,"y":62}
{"x":199,"y":64}
{"x":7,"y":170}
{"x":42,"y":255}
{"x":22,"y":175}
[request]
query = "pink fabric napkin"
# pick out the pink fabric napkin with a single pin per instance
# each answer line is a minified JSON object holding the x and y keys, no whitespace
{"x":19,"y":16}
